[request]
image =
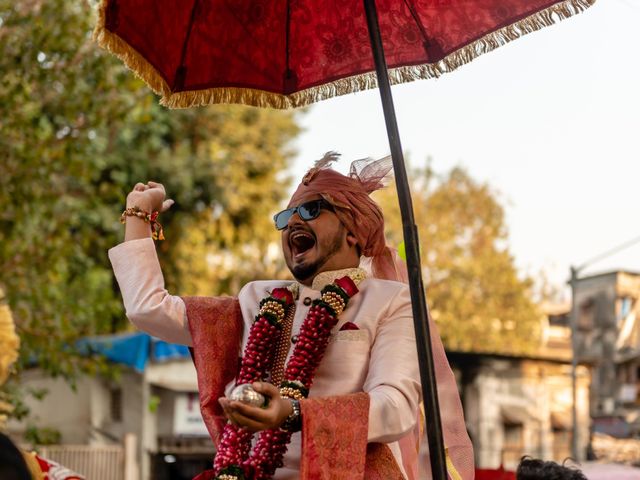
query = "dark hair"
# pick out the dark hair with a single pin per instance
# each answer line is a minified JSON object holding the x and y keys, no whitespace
{"x":12,"y":464}
{"x":536,"y":469}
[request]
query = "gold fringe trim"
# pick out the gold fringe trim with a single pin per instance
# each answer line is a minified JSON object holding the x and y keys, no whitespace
{"x":260,"y":98}
{"x":125,"y":52}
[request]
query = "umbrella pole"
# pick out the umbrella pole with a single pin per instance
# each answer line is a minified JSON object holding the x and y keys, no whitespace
{"x":410,"y":231}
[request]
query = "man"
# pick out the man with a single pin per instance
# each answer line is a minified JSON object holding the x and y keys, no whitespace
{"x":348,"y":405}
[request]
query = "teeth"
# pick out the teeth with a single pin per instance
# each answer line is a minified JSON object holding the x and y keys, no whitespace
{"x":299,"y":234}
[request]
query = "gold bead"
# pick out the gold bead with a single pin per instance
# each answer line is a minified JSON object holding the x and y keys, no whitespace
{"x":288,"y":392}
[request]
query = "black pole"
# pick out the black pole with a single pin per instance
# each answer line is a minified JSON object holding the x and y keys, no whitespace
{"x":410,"y":231}
{"x":573,"y":321}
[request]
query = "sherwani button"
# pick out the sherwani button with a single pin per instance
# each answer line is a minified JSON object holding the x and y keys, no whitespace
{"x":307,"y":301}
{"x":294,"y":339}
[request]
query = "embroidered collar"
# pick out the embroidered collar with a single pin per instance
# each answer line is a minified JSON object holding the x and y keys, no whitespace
{"x":325,"y":278}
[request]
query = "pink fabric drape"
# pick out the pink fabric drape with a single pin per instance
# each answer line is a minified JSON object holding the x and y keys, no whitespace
{"x":216,"y":328}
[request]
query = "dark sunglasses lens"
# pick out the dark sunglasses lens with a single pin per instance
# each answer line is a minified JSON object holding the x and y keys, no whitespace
{"x":282,"y":219}
{"x":307,"y":211}
{"x":310,"y":210}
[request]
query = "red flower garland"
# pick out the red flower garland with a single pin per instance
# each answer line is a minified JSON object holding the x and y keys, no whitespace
{"x":234,"y":460}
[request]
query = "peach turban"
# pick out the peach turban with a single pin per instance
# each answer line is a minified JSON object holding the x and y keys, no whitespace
{"x":349,"y":196}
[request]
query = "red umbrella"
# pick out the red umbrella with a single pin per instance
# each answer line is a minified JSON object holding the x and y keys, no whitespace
{"x":291,"y":53}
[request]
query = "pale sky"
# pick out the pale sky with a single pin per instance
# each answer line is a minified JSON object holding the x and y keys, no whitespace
{"x":551,"y":121}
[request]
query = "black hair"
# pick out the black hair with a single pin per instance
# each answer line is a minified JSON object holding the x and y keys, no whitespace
{"x":12,"y":463}
{"x":536,"y":469}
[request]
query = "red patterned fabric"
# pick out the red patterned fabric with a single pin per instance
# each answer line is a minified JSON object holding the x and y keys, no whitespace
{"x":334,"y":441}
{"x":286,"y":47}
{"x":331,"y":446}
{"x":216,"y":328}
{"x":380,"y":463}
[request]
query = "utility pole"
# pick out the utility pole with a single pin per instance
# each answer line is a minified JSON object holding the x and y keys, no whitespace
{"x":573,"y":322}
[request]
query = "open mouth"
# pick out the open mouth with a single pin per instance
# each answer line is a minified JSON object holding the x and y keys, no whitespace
{"x":301,"y":242}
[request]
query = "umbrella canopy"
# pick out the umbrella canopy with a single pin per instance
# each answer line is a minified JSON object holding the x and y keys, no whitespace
{"x":289,"y":54}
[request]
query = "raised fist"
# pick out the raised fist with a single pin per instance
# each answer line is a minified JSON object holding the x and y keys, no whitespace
{"x":150,"y":197}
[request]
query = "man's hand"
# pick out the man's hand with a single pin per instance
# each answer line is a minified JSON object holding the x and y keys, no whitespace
{"x":150,"y":197}
{"x":256,"y":419}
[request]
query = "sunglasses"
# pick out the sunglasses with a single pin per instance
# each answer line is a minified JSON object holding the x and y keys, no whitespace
{"x":307,"y":211}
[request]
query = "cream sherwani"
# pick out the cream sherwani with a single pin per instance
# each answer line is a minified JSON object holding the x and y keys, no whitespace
{"x":378,"y":358}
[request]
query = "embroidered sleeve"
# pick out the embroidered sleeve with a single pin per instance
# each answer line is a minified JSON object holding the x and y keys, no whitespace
{"x":334,"y":441}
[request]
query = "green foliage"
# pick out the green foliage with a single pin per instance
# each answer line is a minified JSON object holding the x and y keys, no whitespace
{"x":153,"y":404}
{"x":78,"y":131}
{"x":473,"y":289}
{"x":219,"y":244}
{"x":42,"y":435}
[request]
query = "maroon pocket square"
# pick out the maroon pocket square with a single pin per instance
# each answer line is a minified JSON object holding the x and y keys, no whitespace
{"x":349,"y":326}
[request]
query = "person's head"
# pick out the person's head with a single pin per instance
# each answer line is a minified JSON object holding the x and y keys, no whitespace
{"x":318,"y":244}
{"x":12,"y":464}
{"x":536,"y":469}
{"x":331,"y":221}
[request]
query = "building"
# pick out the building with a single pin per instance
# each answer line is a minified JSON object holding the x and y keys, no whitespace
{"x":154,"y":401}
{"x":608,"y":339}
{"x":521,"y":405}
{"x":516,"y":406}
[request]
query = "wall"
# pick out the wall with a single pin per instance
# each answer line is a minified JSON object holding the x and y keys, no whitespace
{"x":509,"y":398}
{"x":63,"y":409}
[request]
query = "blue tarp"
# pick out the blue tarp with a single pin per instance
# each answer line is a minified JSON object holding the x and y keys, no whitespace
{"x":133,"y":349}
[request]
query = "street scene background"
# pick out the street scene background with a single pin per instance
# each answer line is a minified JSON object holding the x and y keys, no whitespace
{"x":523,"y":163}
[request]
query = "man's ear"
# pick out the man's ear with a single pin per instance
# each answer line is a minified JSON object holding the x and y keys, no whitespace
{"x":351,"y":239}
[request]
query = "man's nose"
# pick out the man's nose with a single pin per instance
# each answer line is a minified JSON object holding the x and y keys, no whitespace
{"x":294,"y":219}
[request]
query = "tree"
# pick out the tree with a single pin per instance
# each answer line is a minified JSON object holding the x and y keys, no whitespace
{"x":473,"y":289}
{"x":78,"y":131}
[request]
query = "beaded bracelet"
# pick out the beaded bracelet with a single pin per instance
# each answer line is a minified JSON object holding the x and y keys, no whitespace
{"x":157,"y":233}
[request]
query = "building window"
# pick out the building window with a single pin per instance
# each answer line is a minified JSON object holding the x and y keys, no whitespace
{"x":115,"y":404}
{"x":625,"y":305}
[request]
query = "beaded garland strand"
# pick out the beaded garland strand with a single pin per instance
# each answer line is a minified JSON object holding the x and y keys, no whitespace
{"x":234,"y":459}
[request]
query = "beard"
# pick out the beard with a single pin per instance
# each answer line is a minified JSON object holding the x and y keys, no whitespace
{"x":306,"y":271}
